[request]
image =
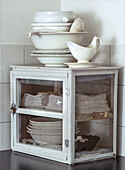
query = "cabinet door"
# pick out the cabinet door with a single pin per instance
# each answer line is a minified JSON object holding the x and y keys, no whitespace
{"x":41,"y":112}
{"x":44,"y":95}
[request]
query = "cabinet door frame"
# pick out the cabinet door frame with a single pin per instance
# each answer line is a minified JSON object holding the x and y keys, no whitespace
{"x":33,"y":150}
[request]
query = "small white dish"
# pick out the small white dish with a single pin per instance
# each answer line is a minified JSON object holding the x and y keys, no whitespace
{"x":54,"y":16}
{"x":81,"y":65}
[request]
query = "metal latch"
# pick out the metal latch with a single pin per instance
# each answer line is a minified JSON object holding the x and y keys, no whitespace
{"x":13,"y":108}
{"x":67,"y":91}
{"x":67,"y":143}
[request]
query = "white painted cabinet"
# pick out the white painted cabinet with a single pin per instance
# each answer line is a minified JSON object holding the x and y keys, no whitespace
{"x":62,"y":114}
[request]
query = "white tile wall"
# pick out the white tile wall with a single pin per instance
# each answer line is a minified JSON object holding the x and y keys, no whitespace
{"x":16,"y":18}
{"x":96,"y":14}
{"x":121,"y":141}
{"x":28,"y":59}
{"x":118,"y":55}
{"x":5,"y":136}
{"x":4,"y":103}
{"x":103,"y":56}
{"x":10,"y":55}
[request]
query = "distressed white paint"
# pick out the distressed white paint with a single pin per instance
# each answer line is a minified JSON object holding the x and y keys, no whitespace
{"x":68,"y":116}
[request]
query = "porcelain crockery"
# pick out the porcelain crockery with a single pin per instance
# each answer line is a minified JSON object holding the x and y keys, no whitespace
{"x":84,"y":54}
{"x":54,"y":16}
{"x":50,"y":27}
{"x":77,"y":25}
{"x":51,"y":61}
{"x":55,"y":41}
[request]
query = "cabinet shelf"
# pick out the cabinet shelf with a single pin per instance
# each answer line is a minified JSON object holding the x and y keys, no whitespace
{"x":94,"y":116}
{"x":44,"y":113}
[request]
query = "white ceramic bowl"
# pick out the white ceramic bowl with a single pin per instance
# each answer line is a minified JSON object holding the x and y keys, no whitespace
{"x":54,"y":16}
{"x":52,"y":140}
{"x":55,"y":41}
{"x":55,"y":61}
{"x":50,"y":27}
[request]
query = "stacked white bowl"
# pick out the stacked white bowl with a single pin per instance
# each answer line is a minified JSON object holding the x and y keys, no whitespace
{"x":45,"y":131}
{"x":53,"y":21}
{"x":50,"y":31}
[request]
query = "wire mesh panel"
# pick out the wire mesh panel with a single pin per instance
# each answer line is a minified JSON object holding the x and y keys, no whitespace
{"x":94,"y":95}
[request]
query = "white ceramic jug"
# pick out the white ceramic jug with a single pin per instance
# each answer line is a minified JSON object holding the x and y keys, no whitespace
{"x":84,"y":54}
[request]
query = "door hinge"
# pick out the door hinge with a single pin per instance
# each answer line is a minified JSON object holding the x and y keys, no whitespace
{"x":67,"y":91}
{"x":13,"y":108}
{"x":67,"y":143}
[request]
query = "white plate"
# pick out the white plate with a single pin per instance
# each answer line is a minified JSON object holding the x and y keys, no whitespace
{"x":55,"y":61}
{"x":53,"y":55}
{"x":50,"y":24}
{"x":40,"y":32}
{"x":51,"y":51}
{"x":80,"y":65}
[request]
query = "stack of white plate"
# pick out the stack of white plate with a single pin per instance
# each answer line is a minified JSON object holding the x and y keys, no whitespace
{"x":53,"y":58}
{"x":45,"y":131}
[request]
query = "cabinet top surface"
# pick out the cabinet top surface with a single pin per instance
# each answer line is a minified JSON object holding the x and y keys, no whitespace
{"x":66,"y":69}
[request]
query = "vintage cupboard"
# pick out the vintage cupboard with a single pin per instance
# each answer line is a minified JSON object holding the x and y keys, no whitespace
{"x":62,"y":114}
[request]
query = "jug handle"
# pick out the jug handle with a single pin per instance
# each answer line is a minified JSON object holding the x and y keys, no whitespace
{"x":98,"y":44}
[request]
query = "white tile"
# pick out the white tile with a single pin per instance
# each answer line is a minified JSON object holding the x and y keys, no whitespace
{"x":118,"y":55}
{"x":103,"y":56}
{"x":28,"y":59}
{"x":4,"y":103}
{"x":121,"y":141}
{"x":10,"y":55}
{"x":121,"y":105}
{"x":121,"y":76}
{"x":5,"y":136}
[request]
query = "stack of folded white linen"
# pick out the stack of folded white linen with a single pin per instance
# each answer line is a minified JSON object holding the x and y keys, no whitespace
{"x":91,"y":103}
{"x":42,"y":101}
{"x":55,"y":103}
{"x":34,"y":101}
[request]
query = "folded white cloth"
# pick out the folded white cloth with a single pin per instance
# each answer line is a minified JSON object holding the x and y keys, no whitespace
{"x":91,"y":103}
{"x":42,"y":101}
{"x":55,"y":103}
